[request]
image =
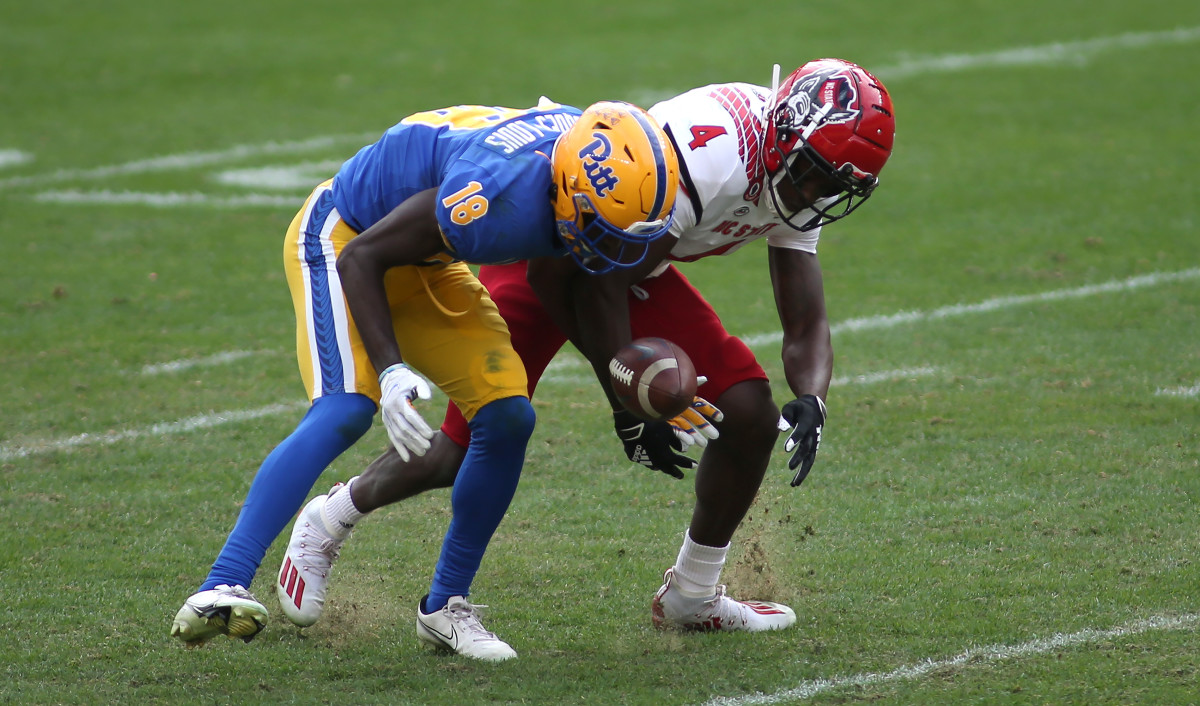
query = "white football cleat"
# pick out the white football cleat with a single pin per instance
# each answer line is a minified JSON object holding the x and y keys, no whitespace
{"x":304,"y":575}
{"x":457,"y":628}
{"x":224,"y":610}
{"x":671,"y":609}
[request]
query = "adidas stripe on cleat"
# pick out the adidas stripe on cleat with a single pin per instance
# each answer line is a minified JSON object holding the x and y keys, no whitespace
{"x":304,"y":576}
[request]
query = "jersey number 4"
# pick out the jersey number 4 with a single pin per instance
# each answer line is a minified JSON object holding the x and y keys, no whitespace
{"x":701,"y":134}
{"x":466,"y":204}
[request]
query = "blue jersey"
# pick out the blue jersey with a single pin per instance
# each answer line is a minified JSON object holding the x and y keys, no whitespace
{"x":491,"y":167}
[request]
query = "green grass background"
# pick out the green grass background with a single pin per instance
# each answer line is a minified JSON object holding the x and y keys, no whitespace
{"x":1032,"y":485}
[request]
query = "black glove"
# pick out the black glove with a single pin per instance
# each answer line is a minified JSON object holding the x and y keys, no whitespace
{"x":806,"y":415}
{"x":652,"y":444}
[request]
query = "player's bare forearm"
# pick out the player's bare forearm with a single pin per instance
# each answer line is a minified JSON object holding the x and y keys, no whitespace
{"x":550,"y":279}
{"x":406,"y":236}
{"x":808,"y":364}
{"x":592,"y":311}
{"x":800,"y":300}
{"x":362,"y":285}
{"x":602,"y":310}
{"x":602,"y":305}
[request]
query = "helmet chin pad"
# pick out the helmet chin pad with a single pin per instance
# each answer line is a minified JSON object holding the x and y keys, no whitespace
{"x":848,"y":189}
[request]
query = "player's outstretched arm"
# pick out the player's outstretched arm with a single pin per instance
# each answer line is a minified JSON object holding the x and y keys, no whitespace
{"x":406,"y":236}
{"x":807,"y":353}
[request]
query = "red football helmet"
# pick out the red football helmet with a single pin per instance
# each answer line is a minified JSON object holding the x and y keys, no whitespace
{"x":833,"y":118}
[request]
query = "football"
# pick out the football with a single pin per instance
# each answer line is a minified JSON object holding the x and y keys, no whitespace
{"x":653,"y":378}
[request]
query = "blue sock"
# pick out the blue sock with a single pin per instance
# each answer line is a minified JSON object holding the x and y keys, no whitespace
{"x":485,"y":486}
{"x":332,"y":425}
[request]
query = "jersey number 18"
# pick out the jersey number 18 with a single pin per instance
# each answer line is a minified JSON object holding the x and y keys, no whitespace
{"x":466,"y":204}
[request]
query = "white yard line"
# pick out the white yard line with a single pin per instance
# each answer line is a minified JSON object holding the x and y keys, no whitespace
{"x":175,"y":366}
{"x":190,"y":160}
{"x":884,"y":376}
{"x":968,"y":658}
{"x":1075,"y":53}
{"x":11,"y":158}
{"x":166,"y":199}
{"x":285,"y":177}
{"x":204,"y":421}
{"x":1193,"y":391}
{"x":886,"y":321}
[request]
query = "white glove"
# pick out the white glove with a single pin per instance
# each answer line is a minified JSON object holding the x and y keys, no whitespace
{"x":692,"y":427}
{"x":405,"y":426}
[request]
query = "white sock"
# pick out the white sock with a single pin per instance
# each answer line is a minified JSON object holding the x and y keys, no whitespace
{"x":340,"y":514}
{"x":698,"y":568}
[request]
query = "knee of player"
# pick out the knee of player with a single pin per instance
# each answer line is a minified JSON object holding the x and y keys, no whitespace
{"x":509,"y":418}
{"x":350,"y":413}
{"x":750,"y":413}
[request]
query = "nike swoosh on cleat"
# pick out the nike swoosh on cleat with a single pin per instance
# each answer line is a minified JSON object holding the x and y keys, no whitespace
{"x":451,"y":640}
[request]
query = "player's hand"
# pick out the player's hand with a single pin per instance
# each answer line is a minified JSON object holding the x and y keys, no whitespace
{"x":405,"y":426}
{"x":651,"y":444}
{"x":804,"y":416}
{"x":694,"y":425}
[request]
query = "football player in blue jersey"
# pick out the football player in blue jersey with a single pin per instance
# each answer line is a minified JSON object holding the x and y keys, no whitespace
{"x":376,"y":261}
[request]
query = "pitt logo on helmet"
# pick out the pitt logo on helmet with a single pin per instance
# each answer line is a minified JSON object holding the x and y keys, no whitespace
{"x":616,"y":176}
{"x":601,"y":176}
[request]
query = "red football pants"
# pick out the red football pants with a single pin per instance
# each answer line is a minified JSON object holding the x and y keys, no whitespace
{"x":672,"y":309}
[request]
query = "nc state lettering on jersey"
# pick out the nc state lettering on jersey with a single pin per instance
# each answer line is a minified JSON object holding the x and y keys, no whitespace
{"x":513,"y":136}
{"x":741,"y":230}
{"x":593,"y":153}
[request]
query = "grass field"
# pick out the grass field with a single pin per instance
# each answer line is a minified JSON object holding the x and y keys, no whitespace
{"x":1004,"y":509}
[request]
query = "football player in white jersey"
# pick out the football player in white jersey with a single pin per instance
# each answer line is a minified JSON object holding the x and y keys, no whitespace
{"x":776,"y":163}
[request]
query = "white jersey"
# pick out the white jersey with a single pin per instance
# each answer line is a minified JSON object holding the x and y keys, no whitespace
{"x":722,"y":204}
